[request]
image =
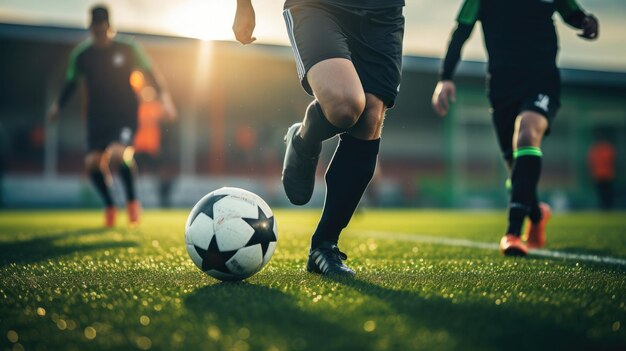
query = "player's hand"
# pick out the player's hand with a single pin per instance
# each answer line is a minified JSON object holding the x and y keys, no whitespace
{"x":244,"y":23}
{"x":53,"y":112}
{"x":590,"y":28}
{"x":445,"y":92}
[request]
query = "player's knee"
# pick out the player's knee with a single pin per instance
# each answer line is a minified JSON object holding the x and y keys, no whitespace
{"x":530,"y":134}
{"x":345,"y":110}
{"x":116,"y":154}
{"x":531,"y":129}
{"x":115,"y":158}
{"x":369,"y":126}
{"x":529,"y":137}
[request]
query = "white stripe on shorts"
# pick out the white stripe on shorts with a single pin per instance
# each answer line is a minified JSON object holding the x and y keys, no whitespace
{"x":294,"y":46}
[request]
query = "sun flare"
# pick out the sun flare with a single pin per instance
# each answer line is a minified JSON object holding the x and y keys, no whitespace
{"x":202,"y":19}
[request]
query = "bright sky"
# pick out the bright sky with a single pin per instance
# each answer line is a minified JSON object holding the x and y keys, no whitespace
{"x":428,"y":24}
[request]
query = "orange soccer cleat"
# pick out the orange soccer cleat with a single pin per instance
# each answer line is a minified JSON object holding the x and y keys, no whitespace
{"x":110,"y":213}
{"x":536,"y":232}
{"x":133,"y":209}
{"x":512,"y":245}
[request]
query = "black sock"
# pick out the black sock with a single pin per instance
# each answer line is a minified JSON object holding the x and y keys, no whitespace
{"x":517,"y":214}
{"x":524,"y":179}
{"x":347,"y":177}
{"x":535,"y":213}
{"x":127,"y":173}
{"x":315,"y":129}
{"x":97,"y":178}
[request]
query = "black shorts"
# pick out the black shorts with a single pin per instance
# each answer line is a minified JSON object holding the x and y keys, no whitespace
{"x":98,"y":139}
{"x":512,"y":93}
{"x":370,"y":38}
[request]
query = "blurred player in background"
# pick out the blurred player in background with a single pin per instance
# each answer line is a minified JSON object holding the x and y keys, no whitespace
{"x":104,"y":64}
{"x":4,"y":152}
{"x":152,"y":130}
{"x":348,"y":56}
{"x":524,"y":92}
{"x":601,"y":161}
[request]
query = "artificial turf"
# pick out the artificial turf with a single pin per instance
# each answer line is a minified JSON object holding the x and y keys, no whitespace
{"x":66,"y":284}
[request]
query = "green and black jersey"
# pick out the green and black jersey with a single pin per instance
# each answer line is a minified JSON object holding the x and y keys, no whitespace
{"x":106,"y":72}
{"x":356,"y":4}
{"x":518,"y":34}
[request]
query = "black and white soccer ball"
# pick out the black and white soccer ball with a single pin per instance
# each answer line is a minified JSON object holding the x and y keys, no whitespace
{"x":231,"y":234}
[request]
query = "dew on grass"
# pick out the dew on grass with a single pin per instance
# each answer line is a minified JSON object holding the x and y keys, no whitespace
{"x":143,"y":342}
{"x":61,"y":324}
{"x":12,"y":336}
{"x":71,"y":324}
{"x":178,"y":337}
{"x":144,"y":320}
{"x":243,"y":333}
{"x":90,"y":333}
{"x":214,"y":332}
{"x":240,"y":345}
{"x":616,"y":325}
{"x":369,"y":326}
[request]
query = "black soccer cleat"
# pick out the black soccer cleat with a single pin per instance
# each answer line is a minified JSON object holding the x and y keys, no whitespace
{"x":298,"y":171}
{"x":327,"y":260}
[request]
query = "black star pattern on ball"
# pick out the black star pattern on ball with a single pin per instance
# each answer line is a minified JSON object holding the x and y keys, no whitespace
{"x":263,"y":231}
{"x":213,"y":258}
{"x":207,"y":207}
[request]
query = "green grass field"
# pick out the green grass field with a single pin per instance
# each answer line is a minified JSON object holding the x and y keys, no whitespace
{"x":66,"y":284}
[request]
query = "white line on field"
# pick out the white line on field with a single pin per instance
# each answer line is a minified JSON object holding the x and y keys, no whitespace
{"x":413,"y":237}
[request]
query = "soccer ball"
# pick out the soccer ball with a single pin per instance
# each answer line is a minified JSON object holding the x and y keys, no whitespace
{"x":231,"y":234}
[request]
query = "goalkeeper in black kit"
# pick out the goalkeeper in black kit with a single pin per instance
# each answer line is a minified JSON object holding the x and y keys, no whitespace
{"x":524,"y":91}
{"x":103,"y":64}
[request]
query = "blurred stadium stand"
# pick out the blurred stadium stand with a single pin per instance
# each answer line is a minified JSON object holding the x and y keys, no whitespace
{"x":236,"y":102}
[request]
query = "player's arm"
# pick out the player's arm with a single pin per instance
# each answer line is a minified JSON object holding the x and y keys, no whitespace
{"x":156,"y":80}
{"x":574,"y":15}
{"x":72,"y":76}
{"x":446,"y":89}
{"x":244,"y":23}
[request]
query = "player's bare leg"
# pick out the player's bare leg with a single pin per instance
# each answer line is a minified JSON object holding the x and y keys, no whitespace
{"x":529,"y":130}
{"x":370,"y":125}
{"x":122,"y":158}
{"x":101,"y":178}
{"x":338,"y":89}
{"x":339,"y":103}
{"x":347,"y":177}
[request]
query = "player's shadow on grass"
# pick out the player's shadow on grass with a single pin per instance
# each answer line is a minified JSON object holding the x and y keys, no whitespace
{"x":480,"y":325}
{"x":274,"y":318}
{"x":44,"y":246}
